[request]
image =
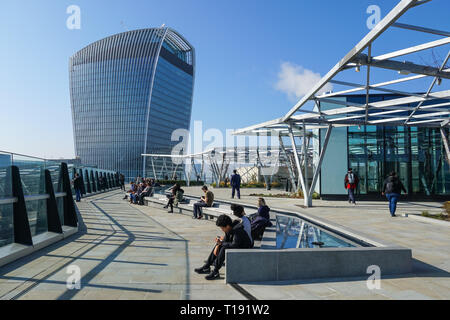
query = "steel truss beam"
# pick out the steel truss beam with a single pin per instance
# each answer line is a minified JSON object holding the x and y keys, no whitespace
{"x":384,"y":24}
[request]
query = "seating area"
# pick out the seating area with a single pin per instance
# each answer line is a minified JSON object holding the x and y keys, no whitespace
{"x":219,"y":208}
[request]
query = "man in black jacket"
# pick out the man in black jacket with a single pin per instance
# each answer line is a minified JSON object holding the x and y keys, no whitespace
{"x":393,"y":187}
{"x":235,"y":238}
{"x":77,"y":185}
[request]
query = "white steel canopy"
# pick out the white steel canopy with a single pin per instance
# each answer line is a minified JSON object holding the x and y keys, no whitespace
{"x":401,"y":107}
{"x":425,"y":112}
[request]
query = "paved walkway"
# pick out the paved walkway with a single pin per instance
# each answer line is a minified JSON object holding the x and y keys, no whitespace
{"x":124,"y":252}
{"x":133,"y":252}
{"x":428,"y":241}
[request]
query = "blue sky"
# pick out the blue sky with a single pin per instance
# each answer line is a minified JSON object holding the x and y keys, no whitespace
{"x":241,"y":47}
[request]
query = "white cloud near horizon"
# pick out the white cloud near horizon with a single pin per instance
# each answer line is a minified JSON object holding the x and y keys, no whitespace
{"x":296,"y":81}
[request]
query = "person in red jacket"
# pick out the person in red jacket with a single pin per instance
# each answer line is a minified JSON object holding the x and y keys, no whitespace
{"x":351,"y":183}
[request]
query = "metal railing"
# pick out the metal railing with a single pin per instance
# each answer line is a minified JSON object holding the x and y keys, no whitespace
{"x":36,"y":195}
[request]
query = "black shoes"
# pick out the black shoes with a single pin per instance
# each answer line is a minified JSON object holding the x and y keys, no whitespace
{"x":213,"y":275}
{"x":203,"y":270}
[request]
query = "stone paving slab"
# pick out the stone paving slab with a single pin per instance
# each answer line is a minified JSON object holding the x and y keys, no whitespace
{"x":134,"y":252}
{"x":124,"y":252}
{"x":429,"y":243}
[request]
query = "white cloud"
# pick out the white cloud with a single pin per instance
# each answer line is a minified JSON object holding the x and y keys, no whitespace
{"x":296,"y":81}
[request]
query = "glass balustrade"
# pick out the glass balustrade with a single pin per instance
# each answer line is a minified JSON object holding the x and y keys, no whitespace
{"x":36,"y":195}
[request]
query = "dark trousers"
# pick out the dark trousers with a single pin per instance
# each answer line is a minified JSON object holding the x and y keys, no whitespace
{"x":142,"y":196}
{"x":78,"y":194}
{"x":393,"y":199}
{"x":197,"y":208}
{"x":170,"y":203}
{"x":218,"y":261}
{"x":351,"y":195}
{"x":122,"y":186}
{"x":233,"y":191}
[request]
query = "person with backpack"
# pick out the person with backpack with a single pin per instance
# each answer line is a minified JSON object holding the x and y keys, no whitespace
{"x":175,"y":198}
{"x":392,"y":188}
{"x":351,"y":183}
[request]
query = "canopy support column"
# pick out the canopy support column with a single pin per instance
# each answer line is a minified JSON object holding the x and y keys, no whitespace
{"x":299,"y":168}
{"x":447,"y":148}
{"x":319,"y":165}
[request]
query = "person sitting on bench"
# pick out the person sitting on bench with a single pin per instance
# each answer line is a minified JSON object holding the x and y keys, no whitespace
{"x":235,"y":238}
{"x":239,"y":212}
{"x":175,"y":197}
{"x":206,"y":201}
{"x":261,"y":220}
{"x":145,"y":193}
{"x":133,"y":189}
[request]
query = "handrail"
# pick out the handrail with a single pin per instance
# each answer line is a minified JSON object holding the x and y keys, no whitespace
{"x":23,"y":155}
{"x":8,"y":200}
{"x":37,"y":197}
{"x":60,"y":194}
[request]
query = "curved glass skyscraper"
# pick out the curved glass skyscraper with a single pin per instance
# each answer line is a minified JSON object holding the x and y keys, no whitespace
{"x":129,"y":92}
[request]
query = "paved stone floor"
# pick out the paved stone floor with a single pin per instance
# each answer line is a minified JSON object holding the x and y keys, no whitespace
{"x":124,"y":252}
{"x":429,"y":243}
{"x":132,"y":252}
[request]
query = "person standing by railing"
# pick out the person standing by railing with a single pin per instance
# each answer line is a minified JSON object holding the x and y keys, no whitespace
{"x":77,"y":185}
{"x":122,"y":182}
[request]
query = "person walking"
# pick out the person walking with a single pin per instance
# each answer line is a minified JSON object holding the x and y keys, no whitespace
{"x":122,"y":182}
{"x":235,"y":184}
{"x":351,"y":183}
{"x":392,"y":188}
{"x":77,"y":185}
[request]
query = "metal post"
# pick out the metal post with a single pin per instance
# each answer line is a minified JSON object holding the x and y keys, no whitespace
{"x":305,"y":157}
{"x":446,"y":146}
{"x":94,"y":186}
{"x":22,"y":232}
{"x":83,"y":189}
{"x":88,"y":183}
{"x":319,"y":165}
{"x":53,"y":221}
{"x":70,"y":215}
{"x":97,"y":180}
{"x":290,"y":167}
{"x":299,"y":168}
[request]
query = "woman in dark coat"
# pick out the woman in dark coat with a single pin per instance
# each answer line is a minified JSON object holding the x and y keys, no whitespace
{"x":261,"y":220}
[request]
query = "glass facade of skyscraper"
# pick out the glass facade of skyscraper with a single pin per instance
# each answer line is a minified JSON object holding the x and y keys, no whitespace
{"x":129,"y":92}
{"x":416,"y":154}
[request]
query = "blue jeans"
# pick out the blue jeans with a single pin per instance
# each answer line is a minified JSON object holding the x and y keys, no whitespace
{"x":393,"y":199}
{"x":197,"y":210}
{"x":233,"y":191}
{"x":351,"y":195}
{"x":78,"y":194}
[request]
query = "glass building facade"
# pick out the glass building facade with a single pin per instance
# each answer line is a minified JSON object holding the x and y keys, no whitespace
{"x":129,"y":92}
{"x":417,"y":154}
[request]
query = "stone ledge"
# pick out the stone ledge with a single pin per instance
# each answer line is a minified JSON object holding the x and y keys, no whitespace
{"x":245,"y":266}
{"x":15,"y":251}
